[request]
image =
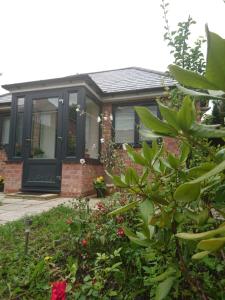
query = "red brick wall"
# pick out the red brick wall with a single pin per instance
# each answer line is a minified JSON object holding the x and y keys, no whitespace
{"x":77,"y":179}
{"x":2,"y":162}
{"x":13,"y":177}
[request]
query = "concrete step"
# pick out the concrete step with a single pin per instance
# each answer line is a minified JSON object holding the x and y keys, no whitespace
{"x":32,"y":196}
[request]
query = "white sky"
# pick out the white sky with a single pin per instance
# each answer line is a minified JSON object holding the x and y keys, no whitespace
{"x":52,"y":38}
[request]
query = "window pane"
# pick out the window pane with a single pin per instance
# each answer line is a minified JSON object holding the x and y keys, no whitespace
{"x":44,"y":127}
{"x":92,"y":130}
{"x":154,"y":110}
{"x":71,"y":135}
{"x":19,"y":127}
{"x":5,"y":130}
{"x":124,"y":124}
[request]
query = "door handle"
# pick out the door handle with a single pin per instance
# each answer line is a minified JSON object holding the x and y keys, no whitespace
{"x":60,"y":138}
{"x":28,"y":140}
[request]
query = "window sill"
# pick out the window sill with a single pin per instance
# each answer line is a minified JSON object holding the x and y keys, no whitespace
{"x":88,"y":161}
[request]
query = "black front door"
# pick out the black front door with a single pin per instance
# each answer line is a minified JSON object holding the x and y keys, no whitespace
{"x":43,"y":143}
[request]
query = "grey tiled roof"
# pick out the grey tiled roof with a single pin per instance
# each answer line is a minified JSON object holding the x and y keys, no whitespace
{"x":6,"y":98}
{"x":130,"y":79}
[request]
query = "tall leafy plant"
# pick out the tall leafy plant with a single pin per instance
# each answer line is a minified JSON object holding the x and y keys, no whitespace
{"x":185,"y":55}
{"x":181,"y":208}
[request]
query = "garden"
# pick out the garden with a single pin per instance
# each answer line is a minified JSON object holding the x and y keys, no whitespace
{"x":161,"y":235}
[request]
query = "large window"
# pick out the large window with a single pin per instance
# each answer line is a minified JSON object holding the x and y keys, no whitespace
{"x":92,"y":130}
{"x":72,"y":125}
{"x":127,"y":125}
{"x":124,"y":124}
{"x":44,"y":128}
{"x":4,"y":129}
{"x":19,"y":127}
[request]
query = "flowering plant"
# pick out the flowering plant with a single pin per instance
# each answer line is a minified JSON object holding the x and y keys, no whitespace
{"x":58,"y":290}
{"x":100,"y":186}
{"x":99,"y":183}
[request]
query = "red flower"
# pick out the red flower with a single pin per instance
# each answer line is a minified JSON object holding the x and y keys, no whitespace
{"x":69,"y":221}
{"x":120,"y":232}
{"x":84,"y":243}
{"x":58,"y":290}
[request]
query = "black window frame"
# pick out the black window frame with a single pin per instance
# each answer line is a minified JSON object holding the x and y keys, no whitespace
{"x":146,"y":103}
{"x":82,"y":93}
{"x":91,"y":96}
{"x":2,"y":116}
{"x":13,"y":122}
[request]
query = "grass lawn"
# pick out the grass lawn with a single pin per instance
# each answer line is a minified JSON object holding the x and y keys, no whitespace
{"x":86,"y":249}
{"x":29,"y":276}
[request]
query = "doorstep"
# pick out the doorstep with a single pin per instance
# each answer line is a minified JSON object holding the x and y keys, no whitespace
{"x":33,"y":196}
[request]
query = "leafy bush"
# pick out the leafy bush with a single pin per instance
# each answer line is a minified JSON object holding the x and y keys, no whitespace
{"x":180,"y":198}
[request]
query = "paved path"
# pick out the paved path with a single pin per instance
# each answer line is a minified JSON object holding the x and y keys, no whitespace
{"x":14,"y":209}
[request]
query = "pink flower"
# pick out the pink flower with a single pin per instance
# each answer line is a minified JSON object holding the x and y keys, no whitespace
{"x":58,"y":290}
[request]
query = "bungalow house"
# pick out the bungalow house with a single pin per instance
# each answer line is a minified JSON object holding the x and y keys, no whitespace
{"x":49,"y":128}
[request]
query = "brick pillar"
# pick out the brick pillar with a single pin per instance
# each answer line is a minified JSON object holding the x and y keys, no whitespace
{"x":13,"y":177}
{"x":107,"y":122}
{"x":77,"y":179}
{"x":3,"y":159}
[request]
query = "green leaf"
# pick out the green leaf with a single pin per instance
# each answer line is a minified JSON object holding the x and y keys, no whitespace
{"x":187,"y":114}
{"x":220,"y":195}
{"x":187,"y":192}
{"x":170,"y":271}
{"x":212,"y":244}
{"x":173,"y":161}
{"x":136,"y":157}
{"x":131,"y":176}
{"x":149,"y":134}
{"x":220,"y":155}
{"x":191,"y":79}
{"x":215,"y":95}
{"x":118,"y":181}
{"x":164,"y":288}
{"x":201,"y":170}
{"x":146,"y":209}
{"x":184,"y":152}
{"x":153,"y":123}
{"x":206,"y":131}
{"x":199,"y":218}
{"x":215,"y":68}
{"x":123,"y":209}
{"x":169,"y":115}
{"x":147,"y":152}
{"x":202,"y":235}
{"x":200,"y":255}
{"x":133,"y":238}
{"x":219,"y":168}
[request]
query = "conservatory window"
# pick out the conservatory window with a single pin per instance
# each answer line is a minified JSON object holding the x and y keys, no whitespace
{"x":91,"y":130}
{"x":72,"y":125}
{"x":19,"y":127}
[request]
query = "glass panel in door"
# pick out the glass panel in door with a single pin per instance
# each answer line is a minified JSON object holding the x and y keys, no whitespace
{"x":44,"y":128}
